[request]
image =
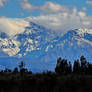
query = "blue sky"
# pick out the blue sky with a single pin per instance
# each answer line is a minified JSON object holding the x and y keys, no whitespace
{"x":57,"y":15}
{"x":12,"y":8}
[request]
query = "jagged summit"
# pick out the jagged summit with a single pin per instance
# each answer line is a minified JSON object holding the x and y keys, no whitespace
{"x":33,"y":38}
{"x":39,"y":44}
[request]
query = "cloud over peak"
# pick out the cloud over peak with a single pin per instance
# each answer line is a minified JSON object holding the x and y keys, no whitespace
{"x":2,"y":2}
{"x":64,"y":21}
{"x":89,"y":2}
{"x":12,"y":26}
{"x":60,"y":22}
{"x":54,"y":16}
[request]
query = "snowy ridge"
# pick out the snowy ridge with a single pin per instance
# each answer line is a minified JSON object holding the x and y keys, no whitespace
{"x":40,"y":47}
{"x":33,"y":38}
{"x":11,"y":47}
{"x":38,"y":39}
{"x":84,"y":31}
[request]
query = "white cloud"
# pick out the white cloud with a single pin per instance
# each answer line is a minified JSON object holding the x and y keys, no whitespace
{"x":89,"y":2}
{"x":57,"y":19}
{"x":64,"y":21}
{"x":2,"y":2}
{"x":48,"y":7}
{"x":26,"y":5}
{"x":84,"y":8}
{"x":12,"y":26}
{"x":60,"y":22}
{"x":82,"y":14}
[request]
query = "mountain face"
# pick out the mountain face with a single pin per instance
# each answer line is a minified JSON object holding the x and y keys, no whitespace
{"x":40,"y":47}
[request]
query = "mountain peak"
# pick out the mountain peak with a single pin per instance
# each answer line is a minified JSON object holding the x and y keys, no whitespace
{"x":37,"y":43}
{"x":84,"y":31}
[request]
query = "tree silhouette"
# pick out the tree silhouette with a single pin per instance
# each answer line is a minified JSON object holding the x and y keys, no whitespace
{"x":57,"y":69}
{"x":69,"y":68}
{"x":7,"y":70}
{"x":63,"y":67}
{"x":15,"y":71}
{"x":83,"y":64}
{"x":89,"y":68}
{"x":76,"y":66}
{"x":21,"y":65}
{"x":76,"y":78}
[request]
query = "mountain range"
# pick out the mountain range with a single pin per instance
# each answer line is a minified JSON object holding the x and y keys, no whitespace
{"x":39,"y":47}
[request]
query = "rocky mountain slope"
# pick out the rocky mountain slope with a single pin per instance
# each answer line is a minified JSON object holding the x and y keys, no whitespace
{"x":40,"y":47}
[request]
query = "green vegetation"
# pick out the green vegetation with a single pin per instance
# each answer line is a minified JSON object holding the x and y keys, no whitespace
{"x":67,"y":77}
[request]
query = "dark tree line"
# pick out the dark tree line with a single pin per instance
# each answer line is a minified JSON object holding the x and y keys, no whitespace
{"x":81,"y":66}
{"x":68,"y":77}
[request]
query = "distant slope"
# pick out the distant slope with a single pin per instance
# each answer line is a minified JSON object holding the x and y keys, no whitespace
{"x":40,"y":47}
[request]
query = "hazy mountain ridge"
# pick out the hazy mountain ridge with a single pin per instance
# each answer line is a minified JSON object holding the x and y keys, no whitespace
{"x":40,"y":46}
{"x":33,"y":38}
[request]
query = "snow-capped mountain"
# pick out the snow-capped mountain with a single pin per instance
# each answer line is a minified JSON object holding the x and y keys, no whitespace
{"x":33,"y":38}
{"x":75,"y":43}
{"x":40,"y":47}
